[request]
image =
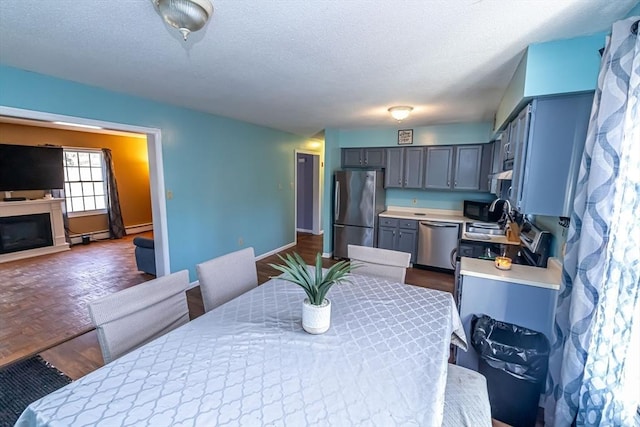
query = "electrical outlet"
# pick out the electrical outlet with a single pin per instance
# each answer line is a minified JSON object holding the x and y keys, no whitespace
{"x":279,"y":186}
{"x":240,"y":241}
{"x":169,"y":194}
{"x":414,"y":201}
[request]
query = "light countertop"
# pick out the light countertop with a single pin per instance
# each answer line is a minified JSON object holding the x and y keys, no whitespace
{"x":425,"y":214}
{"x":549,"y":277}
{"x":444,"y":216}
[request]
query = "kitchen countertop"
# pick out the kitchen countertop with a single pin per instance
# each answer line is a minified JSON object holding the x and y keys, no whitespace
{"x":444,"y":216}
{"x":549,"y":277}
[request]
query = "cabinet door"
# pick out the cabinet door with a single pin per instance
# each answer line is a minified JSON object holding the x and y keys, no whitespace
{"x":467,"y":169}
{"x":352,"y":157}
{"x":393,"y":173}
{"x":438,"y":168}
{"x":413,"y":167}
{"x":519,"y":137}
{"x":387,"y":237}
{"x":408,"y":242}
{"x":374,"y":157}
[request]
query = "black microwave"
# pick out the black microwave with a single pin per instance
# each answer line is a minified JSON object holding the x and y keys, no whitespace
{"x":480,"y":211}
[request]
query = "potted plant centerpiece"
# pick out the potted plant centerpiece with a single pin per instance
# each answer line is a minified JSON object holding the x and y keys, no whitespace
{"x":316,"y":308}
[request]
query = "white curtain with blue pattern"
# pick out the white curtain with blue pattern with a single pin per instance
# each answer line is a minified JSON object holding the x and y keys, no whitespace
{"x":593,"y":366}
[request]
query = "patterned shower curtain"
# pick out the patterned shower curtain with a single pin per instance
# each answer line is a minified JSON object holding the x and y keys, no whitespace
{"x":116,"y":224}
{"x":593,"y":366}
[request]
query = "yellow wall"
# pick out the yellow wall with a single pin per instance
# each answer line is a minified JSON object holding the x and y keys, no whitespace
{"x":130,"y":162}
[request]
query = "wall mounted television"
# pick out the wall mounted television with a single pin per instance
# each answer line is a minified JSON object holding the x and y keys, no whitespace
{"x":25,"y":167}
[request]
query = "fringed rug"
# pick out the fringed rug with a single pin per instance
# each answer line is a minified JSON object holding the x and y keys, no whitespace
{"x":24,"y":382}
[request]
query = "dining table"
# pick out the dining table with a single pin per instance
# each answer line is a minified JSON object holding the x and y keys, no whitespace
{"x":383,"y":362}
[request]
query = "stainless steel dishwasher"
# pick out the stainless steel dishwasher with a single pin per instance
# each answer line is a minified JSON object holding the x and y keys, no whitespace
{"x":437,"y":244}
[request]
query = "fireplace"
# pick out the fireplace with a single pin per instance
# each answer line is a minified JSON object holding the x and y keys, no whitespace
{"x":22,"y":232}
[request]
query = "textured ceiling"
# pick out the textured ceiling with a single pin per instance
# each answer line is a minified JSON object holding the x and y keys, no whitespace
{"x":301,"y":66}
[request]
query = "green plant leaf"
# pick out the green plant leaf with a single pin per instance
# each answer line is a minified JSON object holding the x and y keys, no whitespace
{"x":318,"y":284}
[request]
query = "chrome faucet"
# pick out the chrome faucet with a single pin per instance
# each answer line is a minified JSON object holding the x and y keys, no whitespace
{"x":506,"y":207}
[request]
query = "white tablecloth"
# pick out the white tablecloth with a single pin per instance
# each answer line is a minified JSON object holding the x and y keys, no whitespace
{"x":249,"y":363}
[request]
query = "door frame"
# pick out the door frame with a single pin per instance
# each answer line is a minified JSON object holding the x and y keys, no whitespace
{"x":317,"y":201}
{"x":156,"y":171}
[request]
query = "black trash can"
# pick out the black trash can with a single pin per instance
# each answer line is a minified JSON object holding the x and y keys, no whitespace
{"x":514,"y":360}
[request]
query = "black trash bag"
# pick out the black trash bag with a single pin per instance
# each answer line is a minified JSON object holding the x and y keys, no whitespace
{"x":518,"y":351}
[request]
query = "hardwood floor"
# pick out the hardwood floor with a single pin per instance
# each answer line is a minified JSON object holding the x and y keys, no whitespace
{"x":43,"y":300}
{"x":80,"y":354}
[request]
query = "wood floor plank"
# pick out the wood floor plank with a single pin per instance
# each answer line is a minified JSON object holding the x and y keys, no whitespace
{"x":45,"y":302}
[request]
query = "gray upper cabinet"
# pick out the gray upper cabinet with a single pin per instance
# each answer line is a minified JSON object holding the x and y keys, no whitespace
{"x":394,"y":169}
{"x":363,"y":157}
{"x":455,"y":167}
{"x":438,"y":168}
{"x":551,"y":135}
{"x":404,"y":167}
{"x":467,"y":169}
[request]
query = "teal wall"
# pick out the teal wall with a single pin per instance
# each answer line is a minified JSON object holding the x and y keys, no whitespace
{"x":635,"y":11}
{"x":563,"y":66}
{"x":462,"y":133}
{"x":551,"y":68}
{"x":224,"y":174}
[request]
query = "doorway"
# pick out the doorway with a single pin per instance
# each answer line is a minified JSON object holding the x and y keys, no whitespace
{"x":156,"y":175}
{"x":307,"y":192}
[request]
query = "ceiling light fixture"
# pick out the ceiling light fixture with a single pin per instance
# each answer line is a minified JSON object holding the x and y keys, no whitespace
{"x":185,"y":15}
{"x":400,"y":112}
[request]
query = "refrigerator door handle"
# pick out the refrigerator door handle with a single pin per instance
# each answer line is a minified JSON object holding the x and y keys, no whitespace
{"x":336,"y":201}
{"x":338,"y":226}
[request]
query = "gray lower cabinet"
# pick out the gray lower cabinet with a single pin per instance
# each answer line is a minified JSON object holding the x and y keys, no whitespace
{"x":363,"y":157}
{"x":456,"y":167}
{"x":404,"y":167}
{"x":398,"y":235}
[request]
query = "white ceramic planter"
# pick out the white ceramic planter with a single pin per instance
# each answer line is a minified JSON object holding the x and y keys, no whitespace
{"x":316,"y":319}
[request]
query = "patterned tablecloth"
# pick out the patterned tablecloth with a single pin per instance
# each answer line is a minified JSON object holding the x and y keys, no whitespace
{"x":249,"y":363}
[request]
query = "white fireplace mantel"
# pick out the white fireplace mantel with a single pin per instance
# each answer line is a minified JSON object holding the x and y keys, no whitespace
{"x":28,"y":207}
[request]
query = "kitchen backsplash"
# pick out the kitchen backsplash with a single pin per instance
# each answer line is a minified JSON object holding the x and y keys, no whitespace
{"x":433,"y":199}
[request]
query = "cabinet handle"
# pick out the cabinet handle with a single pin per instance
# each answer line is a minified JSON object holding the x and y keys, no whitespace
{"x":455,"y":184}
{"x":509,"y":192}
{"x":400,"y":181}
{"x":406,"y":181}
{"x":448,"y":183}
{"x":366,"y":161}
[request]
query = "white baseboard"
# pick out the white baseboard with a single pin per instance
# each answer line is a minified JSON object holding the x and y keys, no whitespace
{"x":327,"y":254}
{"x":275,"y":251}
{"x":104,"y":234}
{"x":304,"y":230}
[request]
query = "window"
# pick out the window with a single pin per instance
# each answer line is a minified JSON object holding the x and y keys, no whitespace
{"x":84,"y":184}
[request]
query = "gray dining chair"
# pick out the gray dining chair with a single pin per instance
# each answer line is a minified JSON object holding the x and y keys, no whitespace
{"x":134,"y":316}
{"x":466,"y":399}
{"x":226,"y":277}
{"x":378,"y":262}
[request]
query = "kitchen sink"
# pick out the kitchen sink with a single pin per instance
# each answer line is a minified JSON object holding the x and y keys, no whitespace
{"x":486,"y":228}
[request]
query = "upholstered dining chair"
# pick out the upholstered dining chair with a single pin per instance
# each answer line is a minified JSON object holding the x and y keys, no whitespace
{"x":378,"y":262}
{"x":226,"y":277}
{"x":134,"y":316}
{"x":466,"y":399}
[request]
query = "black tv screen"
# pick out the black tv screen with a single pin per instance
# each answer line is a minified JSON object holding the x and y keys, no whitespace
{"x":24,"y":167}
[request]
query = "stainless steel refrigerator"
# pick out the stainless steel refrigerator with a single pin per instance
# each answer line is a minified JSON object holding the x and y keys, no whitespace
{"x":358,"y":198}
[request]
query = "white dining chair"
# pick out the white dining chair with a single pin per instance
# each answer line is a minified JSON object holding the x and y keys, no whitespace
{"x":466,"y":399}
{"x":134,"y":316}
{"x":378,"y":262}
{"x":226,"y":277}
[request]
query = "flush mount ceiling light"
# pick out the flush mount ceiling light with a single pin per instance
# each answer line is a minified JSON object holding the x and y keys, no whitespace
{"x":400,"y":112}
{"x":185,"y":15}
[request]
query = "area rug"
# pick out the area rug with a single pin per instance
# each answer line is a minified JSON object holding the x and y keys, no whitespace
{"x":24,"y":382}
